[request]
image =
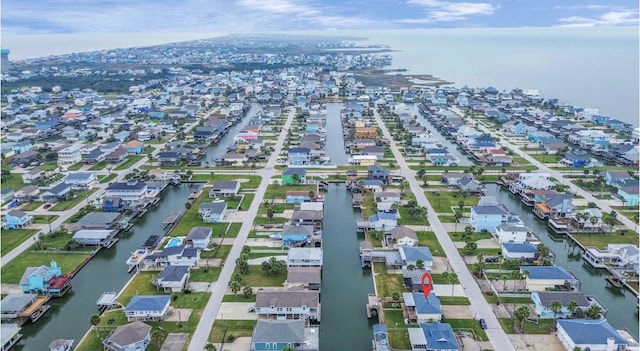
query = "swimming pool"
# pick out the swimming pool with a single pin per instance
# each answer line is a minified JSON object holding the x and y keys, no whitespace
{"x":173,"y":242}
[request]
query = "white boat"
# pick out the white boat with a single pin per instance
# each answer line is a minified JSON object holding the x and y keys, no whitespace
{"x":136,"y":258}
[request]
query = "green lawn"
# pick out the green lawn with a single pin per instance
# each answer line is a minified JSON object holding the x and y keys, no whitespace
{"x":491,"y":298}
{"x":75,"y":166}
{"x":44,"y":219}
{"x":468,"y":325}
{"x":246,"y":181}
{"x":239,"y":298}
{"x":443,"y":201}
{"x":544,"y":326}
{"x":457,"y":300}
{"x":31,"y":206}
{"x":98,"y":166}
{"x":11,"y":238}
{"x":276,"y":191}
{"x":386,"y":283}
{"x":65,"y":205}
{"x":233,"y":329}
{"x":406,"y":219}
{"x":129,"y":162}
{"x":256,"y":277}
{"x":13,"y":181}
{"x":399,"y":339}
{"x":457,"y":236}
{"x":108,"y":178}
{"x":205,"y":274}
{"x":601,"y":240}
{"x":12,"y":271}
{"x":430,"y":240}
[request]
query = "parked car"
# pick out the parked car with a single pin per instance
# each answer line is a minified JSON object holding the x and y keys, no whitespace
{"x":483,"y":323}
{"x":491,"y":259}
{"x":47,"y":205}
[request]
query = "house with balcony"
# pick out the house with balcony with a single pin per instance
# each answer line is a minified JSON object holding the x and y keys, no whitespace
{"x":147,"y":308}
{"x":304,"y":257}
{"x":629,"y":195}
{"x":296,"y":235}
{"x":25,"y":158}
{"x":433,"y":337}
{"x":32,"y":176}
{"x":309,"y":217}
{"x":69,"y":156}
{"x":453,"y":179}
{"x":512,"y":233}
{"x":199,"y":237}
{"x":531,"y":181}
{"x":620,"y":256}
{"x":294,"y":176}
{"x":519,"y":251}
{"x":27,"y":194}
{"x":410,"y":255}
{"x":543,"y":278}
{"x":212,"y":212}
{"x":299,"y":156}
{"x":554,"y":206}
{"x":116,"y":156}
{"x":384,"y":221}
{"x":20,"y":308}
{"x":173,"y":279}
{"x":286,"y":305}
{"x":128,"y":337}
{"x":132,"y":193}
{"x":421,"y":309}
{"x":99,"y":220}
{"x":45,"y":280}
{"x":489,"y":217}
{"x":17,"y":219}
{"x":309,"y":278}
{"x":57,"y":193}
{"x":179,"y":255}
{"x":225,"y":189}
{"x":296,"y":197}
{"x":576,"y":158}
{"x":612,"y":176}
{"x":94,"y":237}
{"x":377,"y":172}
{"x":542,"y":301}
{"x":271,"y":334}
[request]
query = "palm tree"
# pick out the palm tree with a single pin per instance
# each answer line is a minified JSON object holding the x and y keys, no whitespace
{"x":555,"y":306}
{"x":94,"y":320}
{"x":572,"y":306}
{"x":420,"y":264}
{"x":235,"y":287}
{"x":504,"y":278}
{"x":452,"y":278}
{"x":636,"y":219}
{"x":543,"y":251}
{"x":520,"y":315}
{"x":458,"y":216}
{"x":210,"y":347}
{"x":594,"y":312}
{"x":515,"y":276}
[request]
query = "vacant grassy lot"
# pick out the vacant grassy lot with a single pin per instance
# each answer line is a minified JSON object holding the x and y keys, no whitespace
{"x":543,"y":326}
{"x":275,"y":191}
{"x":232,"y":328}
{"x":13,"y":270}
{"x":65,"y":205}
{"x":11,"y":238}
{"x":442,"y":202}
{"x":131,"y":160}
{"x":430,"y":240}
{"x":31,"y":206}
{"x":98,"y":166}
{"x":468,"y":325}
{"x":601,"y":240}
{"x":256,"y":277}
{"x":386,"y":283}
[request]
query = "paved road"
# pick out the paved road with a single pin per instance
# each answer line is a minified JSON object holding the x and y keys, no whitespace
{"x":559,"y":176}
{"x":64,"y":215}
{"x":218,"y":289}
{"x":479,"y":306}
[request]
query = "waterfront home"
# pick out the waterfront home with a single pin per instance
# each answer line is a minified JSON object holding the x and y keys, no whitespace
{"x":68,"y":156}
{"x":403,"y":236}
{"x":306,"y":277}
{"x":45,"y":280}
{"x":488,"y":217}
{"x":80,"y":179}
{"x":422,"y":309}
{"x":453,"y":179}
{"x":622,"y":256}
{"x":299,"y":156}
{"x":96,"y":237}
{"x":128,"y":337}
{"x":363,"y":160}
{"x":377,"y":172}
{"x":310,"y":217}
{"x":512,"y":233}
{"x":233,"y":158}
{"x":17,"y":219}
{"x":538,"y":137}
{"x":10,"y":335}
{"x":25,"y":158}
{"x":173,"y":279}
{"x":294,"y":176}
{"x":384,"y":221}
{"x":587,"y":220}
{"x":375,"y":150}
{"x":412,"y":278}
{"x":279,"y":334}
{"x":112,"y":204}
{"x":212,"y":212}
{"x":576,"y":158}
{"x":296,"y":197}
{"x":409,"y":256}
{"x":611,"y":176}
{"x":388,"y":196}
{"x":542,"y":278}
{"x":531,"y":181}
{"x":296,"y":235}
{"x":132,"y":193}
{"x":116,"y":156}
{"x":542,"y":301}
{"x":27,"y":194}
{"x":554,"y":206}
{"x":304,"y":257}
{"x":482,"y":143}
{"x":291,"y":304}
{"x":33,"y":175}
{"x":594,"y":335}
{"x":365,"y":133}
{"x":519,"y":251}
{"x":99,"y":220}
{"x":147,"y":308}
{"x":199,"y":237}
{"x":179,"y":255}
{"x":372,"y":185}
{"x":531,"y":197}
{"x":163,"y":175}
{"x":20,"y":308}
{"x":433,"y":337}
{"x":57,"y":193}
{"x":552,"y":146}
{"x":470,"y":186}
{"x":224,"y":189}
{"x":169,"y":158}
{"x":134,"y":147}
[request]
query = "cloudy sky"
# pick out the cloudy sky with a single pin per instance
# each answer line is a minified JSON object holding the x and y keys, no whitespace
{"x":20,"y":17}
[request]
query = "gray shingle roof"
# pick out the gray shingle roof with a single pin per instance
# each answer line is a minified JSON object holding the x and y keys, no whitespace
{"x":199,"y":233}
{"x":129,"y":333}
{"x":173,"y":273}
{"x":287,"y":298}
{"x":279,"y":331}
{"x":16,"y":302}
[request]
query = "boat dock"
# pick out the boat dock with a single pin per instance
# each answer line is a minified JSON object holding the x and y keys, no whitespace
{"x":107,"y":301}
{"x":172,"y":219}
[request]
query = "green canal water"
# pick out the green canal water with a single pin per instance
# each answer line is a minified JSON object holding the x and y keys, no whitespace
{"x":69,"y":316}
{"x":345,"y":285}
{"x":621,"y":303}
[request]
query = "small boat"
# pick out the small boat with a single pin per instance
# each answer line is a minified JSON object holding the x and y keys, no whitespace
{"x":61,"y":345}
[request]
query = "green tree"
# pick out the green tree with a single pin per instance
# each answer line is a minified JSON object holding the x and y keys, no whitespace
{"x":420,"y":264}
{"x":94,"y":320}
{"x":270,"y":214}
{"x":247,"y":291}
{"x":237,"y":277}
{"x":211,"y":347}
{"x":594,"y":312}
{"x":266,"y":267}
{"x":235,"y":287}
{"x":520,"y":315}
{"x":451,"y":278}
{"x":555,"y":306}
{"x":572,"y":306}
{"x":543,"y":251}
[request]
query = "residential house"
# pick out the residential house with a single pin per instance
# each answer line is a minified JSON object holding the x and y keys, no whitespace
{"x":453,"y":179}
{"x":94,"y":237}
{"x":363,"y":160}
{"x":112,"y":204}
{"x":304,"y":257}
{"x":116,"y":156}
{"x":99,"y":220}
{"x":17,"y":219}
{"x":306,"y":277}
{"x":25,"y":158}
{"x":22,"y":146}
{"x":135,"y":336}
{"x":512,"y":233}
{"x":422,"y":309}
{"x":594,"y":335}
{"x":212,"y":212}
{"x":18,"y":308}
{"x":179,"y":255}
{"x":488,"y":217}
{"x":612,"y":176}
{"x":433,"y":337}
{"x":376,"y":150}
{"x":470,"y":186}
{"x":404,"y":236}
{"x":296,"y":197}
{"x":57,"y":193}
{"x":542,"y":301}
{"x":309,"y":217}
{"x":412,"y":278}
{"x":541,"y":278}
{"x":199,"y":237}
{"x":531,"y":181}
{"x":576,"y":158}
{"x":235,"y":158}
{"x":365,"y":133}
{"x":169,"y":158}
{"x":629,"y":195}
{"x":519,"y":251}
{"x":132,"y":193}
{"x":411,"y":255}
{"x":45,"y":280}
{"x":80,"y":179}
{"x":294,"y":176}
{"x":279,"y":334}
{"x":377,"y":172}
{"x":93,"y":157}
{"x":173,"y":279}
{"x":555,"y":206}
{"x":70,"y":155}
{"x":291,"y":304}
{"x":27,"y":194}
{"x":388,"y":196}
{"x":224,"y":189}
{"x":6,"y":194}
{"x":384,"y":221}
{"x":296,"y":235}
{"x":32,"y":176}
{"x":147,"y":308}
{"x":299,"y":156}
{"x":134,"y":147}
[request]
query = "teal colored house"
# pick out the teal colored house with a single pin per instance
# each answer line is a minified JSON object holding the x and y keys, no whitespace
{"x":45,"y":280}
{"x":22,"y":146}
{"x":293,"y":176}
{"x":277,"y":334}
{"x":629,"y":195}
{"x":17,"y":219}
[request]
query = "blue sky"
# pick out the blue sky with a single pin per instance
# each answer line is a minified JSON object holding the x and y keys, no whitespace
{"x":117,"y":16}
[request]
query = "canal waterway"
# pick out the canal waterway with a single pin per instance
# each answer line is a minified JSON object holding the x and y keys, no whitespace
{"x":446,"y":143}
{"x":220,"y":148}
{"x":334,"y":145}
{"x":621,"y":303}
{"x":345,"y":285}
{"x":69,"y":316}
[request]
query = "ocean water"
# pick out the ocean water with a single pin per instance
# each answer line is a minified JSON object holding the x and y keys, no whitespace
{"x":588,"y":67}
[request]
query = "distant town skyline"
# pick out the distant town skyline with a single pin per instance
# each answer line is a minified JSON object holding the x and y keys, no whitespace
{"x":120,"y":16}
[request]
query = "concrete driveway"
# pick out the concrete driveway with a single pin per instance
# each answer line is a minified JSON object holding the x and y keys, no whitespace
{"x":174,"y":342}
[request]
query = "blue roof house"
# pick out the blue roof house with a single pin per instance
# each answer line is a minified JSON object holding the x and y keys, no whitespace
{"x":519,"y":251}
{"x":295,"y":235}
{"x":278,"y":334}
{"x":384,"y":221}
{"x":610,"y":176}
{"x":576,"y":158}
{"x":212,"y":212}
{"x":147,"y":307}
{"x":381,"y":337}
{"x":17,"y":219}
{"x":488,"y":217}
{"x":379,"y":173}
{"x":57,"y":193}
{"x":34,"y":279}
{"x":312,"y":128}
{"x":482,"y":142}
{"x":432,"y":337}
{"x":543,"y":299}
{"x":411,"y":254}
{"x":422,"y":309}
{"x":589,"y":335}
{"x":541,"y":278}
{"x":21,"y":146}
{"x":299,"y":156}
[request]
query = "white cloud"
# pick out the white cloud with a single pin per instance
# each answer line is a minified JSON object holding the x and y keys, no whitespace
{"x":611,"y":18}
{"x":278,"y":6}
{"x":447,"y":11}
